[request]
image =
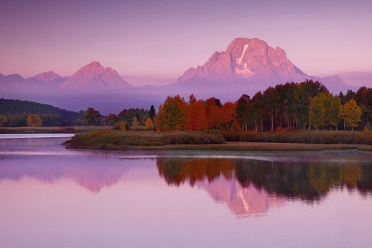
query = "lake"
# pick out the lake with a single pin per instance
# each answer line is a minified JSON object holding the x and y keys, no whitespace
{"x":53,"y":197}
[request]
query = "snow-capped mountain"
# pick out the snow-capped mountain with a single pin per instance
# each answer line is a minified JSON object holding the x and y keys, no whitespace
{"x":249,"y":63}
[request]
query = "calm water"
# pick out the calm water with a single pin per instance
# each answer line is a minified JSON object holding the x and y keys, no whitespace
{"x":52,"y":197}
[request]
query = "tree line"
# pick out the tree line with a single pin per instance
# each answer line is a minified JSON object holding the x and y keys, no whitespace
{"x":290,"y":106}
{"x":17,"y":113}
{"x":133,"y":118}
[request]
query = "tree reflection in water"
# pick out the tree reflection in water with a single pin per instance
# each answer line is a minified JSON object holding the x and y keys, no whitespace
{"x":306,"y":181}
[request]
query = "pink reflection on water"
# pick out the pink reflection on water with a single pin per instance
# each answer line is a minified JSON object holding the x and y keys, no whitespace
{"x":241,"y":201}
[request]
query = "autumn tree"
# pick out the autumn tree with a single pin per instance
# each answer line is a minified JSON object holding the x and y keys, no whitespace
{"x":91,"y":117}
{"x":333,"y":111}
{"x":213,"y":113}
{"x":351,"y":113}
{"x":3,"y":120}
{"x":135,"y":122}
{"x":324,"y":110}
{"x":34,"y":120}
{"x":228,"y":116}
{"x":172,"y":114}
{"x":149,"y":124}
{"x":317,"y":112}
{"x":127,"y":115}
{"x":120,"y":125}
{"x":196,"y":119}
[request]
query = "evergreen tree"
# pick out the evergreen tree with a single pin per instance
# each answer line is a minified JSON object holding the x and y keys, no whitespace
{"x":152,"y":113}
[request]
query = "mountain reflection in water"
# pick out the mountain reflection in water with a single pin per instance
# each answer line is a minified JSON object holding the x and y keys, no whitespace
{"x":246,"y":186}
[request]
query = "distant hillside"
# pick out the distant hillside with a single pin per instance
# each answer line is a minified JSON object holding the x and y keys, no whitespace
{"x":10,"y":107}
{"x":16,"y":112}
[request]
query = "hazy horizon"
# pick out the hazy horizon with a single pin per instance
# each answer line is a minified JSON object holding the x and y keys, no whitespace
{"x":154,"y":43}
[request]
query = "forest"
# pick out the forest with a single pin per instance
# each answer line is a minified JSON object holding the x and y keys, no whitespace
{"x":291,"y":106}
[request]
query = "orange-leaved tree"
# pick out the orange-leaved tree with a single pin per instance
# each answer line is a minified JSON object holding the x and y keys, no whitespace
{"x":213,"y":113}
{"x":228,"y":114}
{"x":196,"y":119}
{"x":149,"y":124}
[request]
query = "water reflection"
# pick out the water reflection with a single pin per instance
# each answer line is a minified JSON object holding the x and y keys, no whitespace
{"x":246,"y":186}
{"x":53,"y":197}
{"x":307,"y":181}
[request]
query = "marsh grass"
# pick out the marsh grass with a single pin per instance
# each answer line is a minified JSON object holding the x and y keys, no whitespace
{"x":253,"y":141}
{"x":108,"y":139}
{"x":305,"y":137}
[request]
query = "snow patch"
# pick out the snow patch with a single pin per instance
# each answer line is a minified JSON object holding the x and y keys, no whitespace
{"x":239,"y":60}
{"x":241,"y":69}
{"x":245,"y":73}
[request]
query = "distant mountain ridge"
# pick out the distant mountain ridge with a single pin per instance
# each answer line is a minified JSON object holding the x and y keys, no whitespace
{"x":10,"y":106}
{"x":92,"y":77}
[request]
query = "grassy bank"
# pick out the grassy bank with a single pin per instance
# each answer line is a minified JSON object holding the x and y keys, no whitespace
{"x":304,"y":137}
{"x":109,"y":139}
{"x":116,"y":140}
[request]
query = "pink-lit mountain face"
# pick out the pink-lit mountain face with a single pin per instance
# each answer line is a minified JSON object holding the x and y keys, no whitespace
{"x":46,"y":77}
{"x":249,"y":63}
{"x":95,"y":77}
{"x":242,"y":201}
{"x":247,"y":59}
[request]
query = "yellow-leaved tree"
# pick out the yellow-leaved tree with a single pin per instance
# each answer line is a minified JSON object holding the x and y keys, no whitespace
{"x":135,"y":122}
{"x":34,"y":121}
{"x":172,"y":114}
{"x":351,"y":113}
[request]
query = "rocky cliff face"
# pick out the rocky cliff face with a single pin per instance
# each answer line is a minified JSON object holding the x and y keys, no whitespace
{"x":94,"y":77}
{"x":247,"y":60}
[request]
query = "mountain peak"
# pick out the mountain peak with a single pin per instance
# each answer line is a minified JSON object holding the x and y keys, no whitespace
{"x":94,"y":76}
{"x":247,"y":60}
{"x":46,"y":76}
{"x":94,"y":64}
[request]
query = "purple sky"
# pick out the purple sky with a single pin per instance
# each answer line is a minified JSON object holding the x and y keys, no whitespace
{"x":154,"y":42}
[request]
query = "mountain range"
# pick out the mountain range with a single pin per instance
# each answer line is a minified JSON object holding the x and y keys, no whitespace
{"x":92,"y":77}
{"x":245,"y":67}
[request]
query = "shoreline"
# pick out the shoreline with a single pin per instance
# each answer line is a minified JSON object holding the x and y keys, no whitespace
{"x":117,"y":140}
{"x":237,"y":146}
{"x":35,"y":130}
{"x":138,"y":136}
